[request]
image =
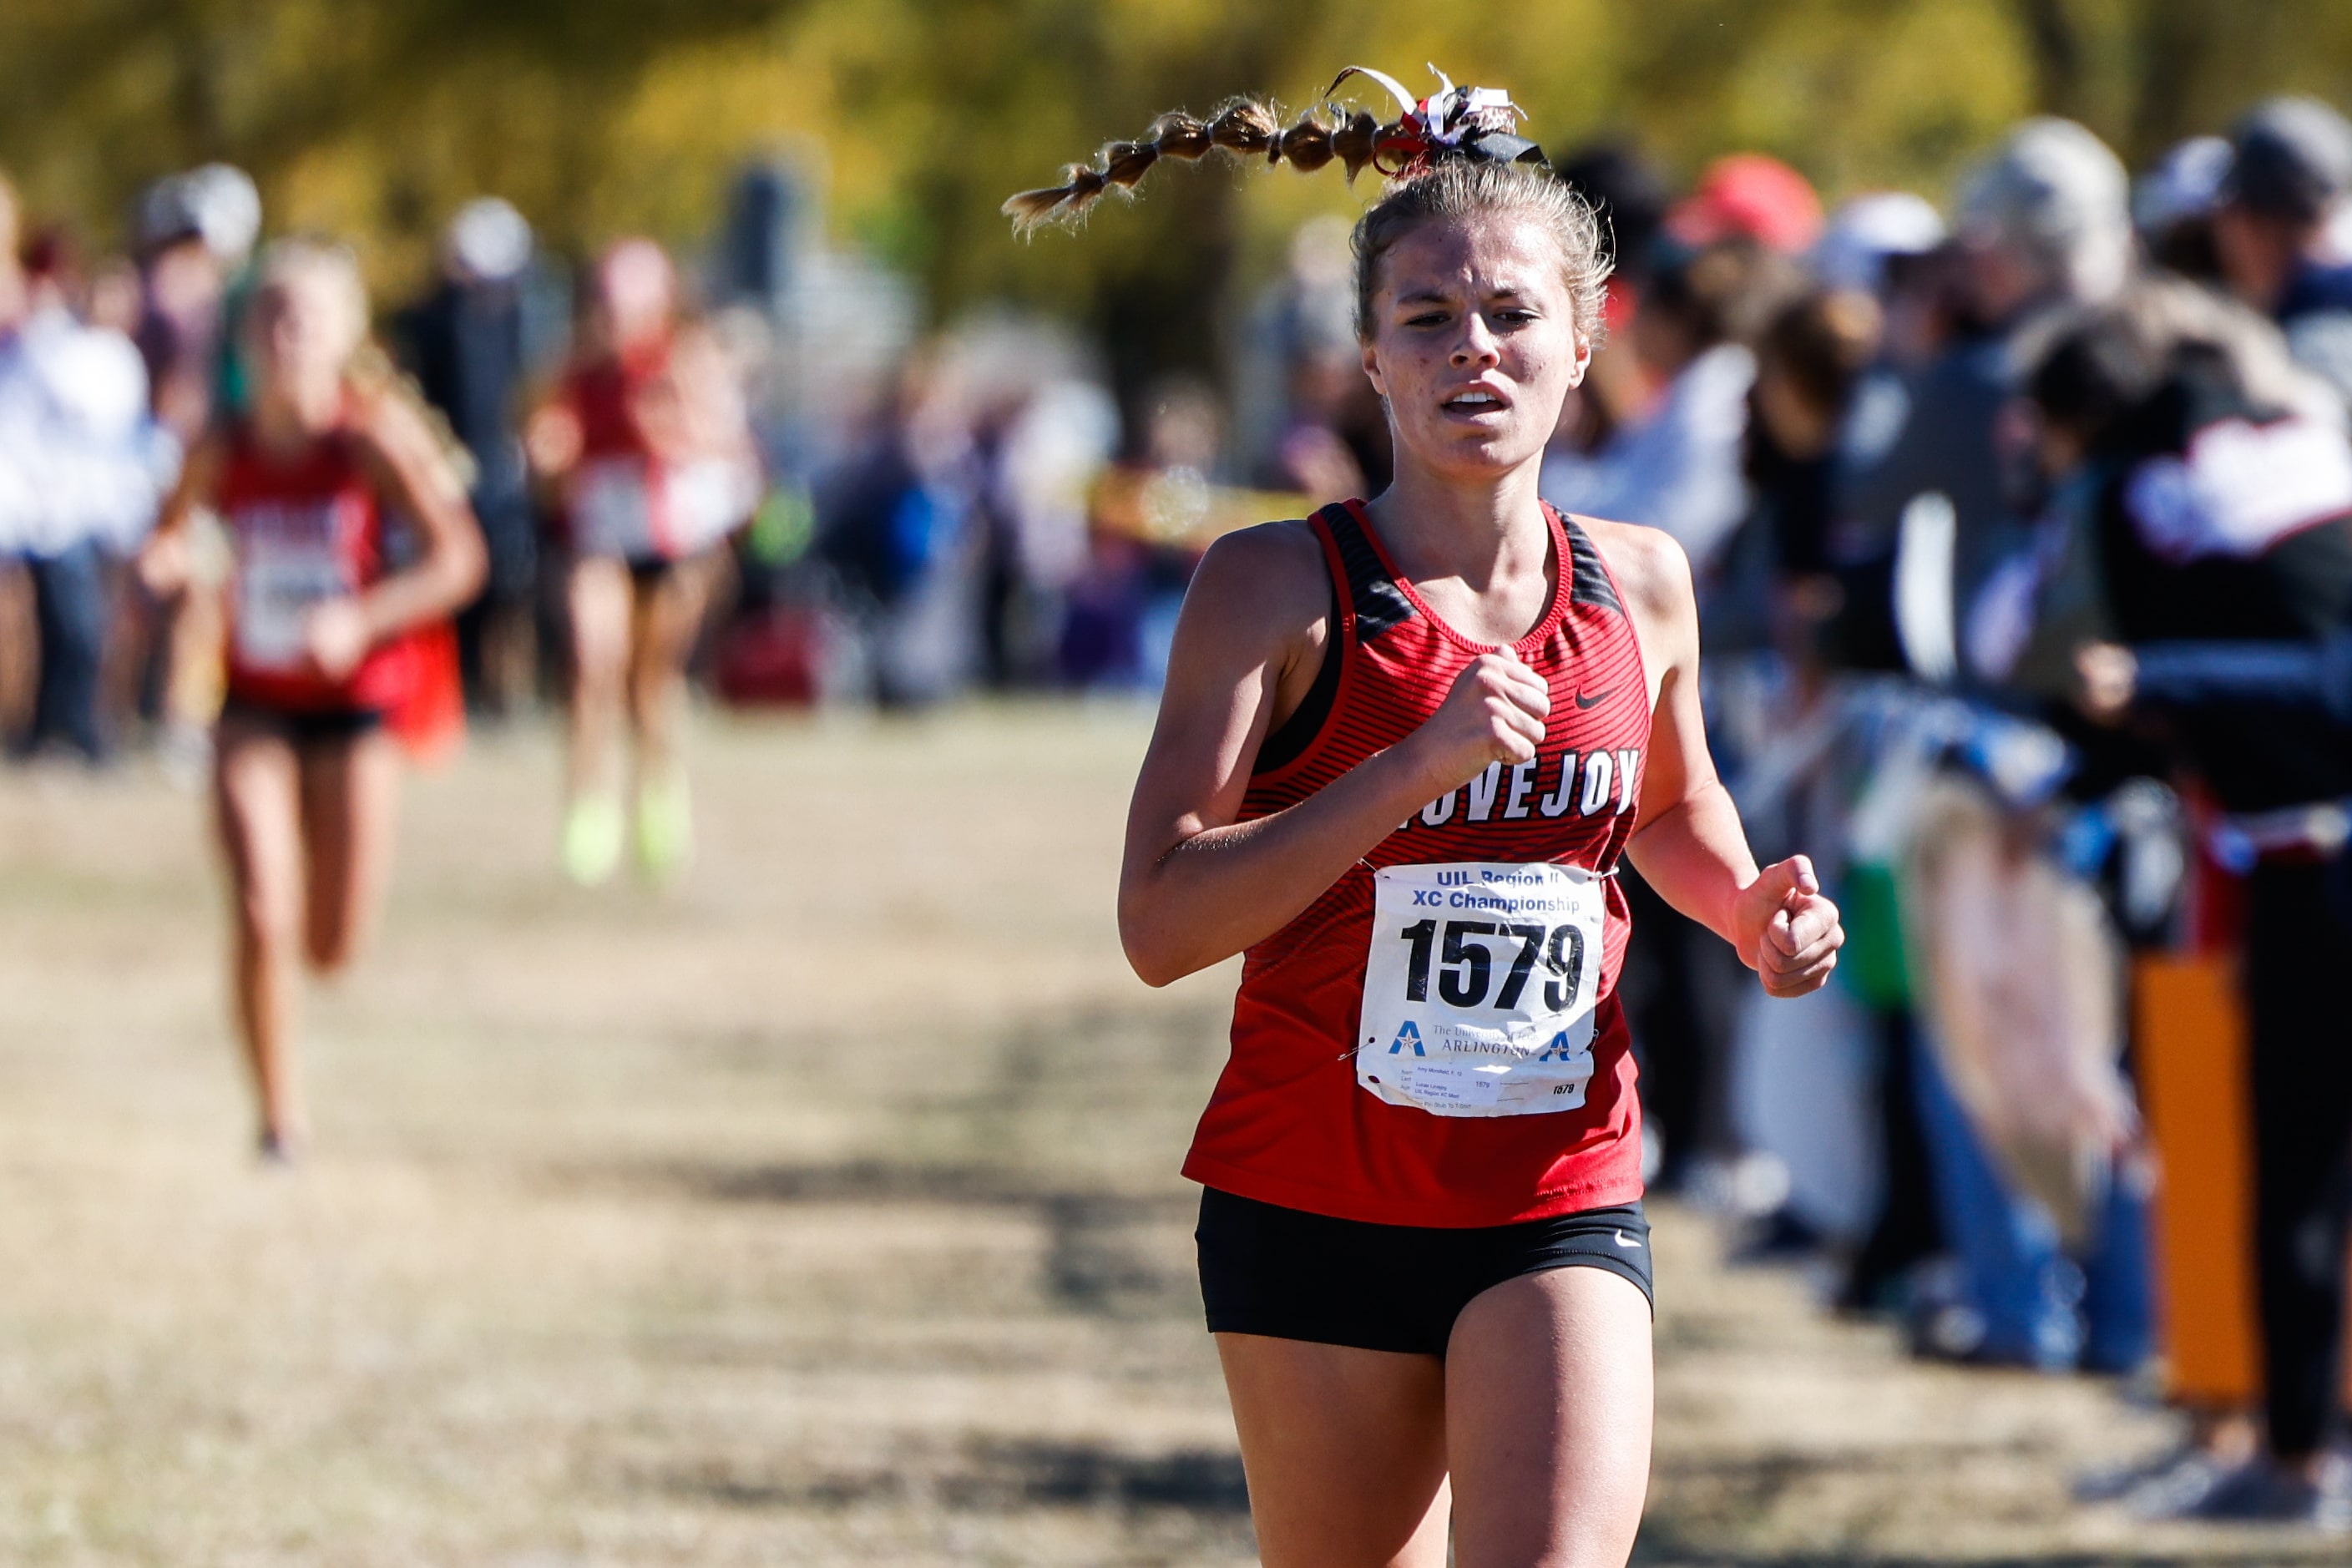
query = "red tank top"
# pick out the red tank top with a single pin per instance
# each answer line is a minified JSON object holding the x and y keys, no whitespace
{"x":303,"y":529}
{"x":617,"y":501}
{"x":603,"y":393}
{"x":1290,"y":1122}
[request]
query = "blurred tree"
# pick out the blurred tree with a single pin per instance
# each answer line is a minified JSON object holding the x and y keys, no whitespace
{"x":375,"y":118}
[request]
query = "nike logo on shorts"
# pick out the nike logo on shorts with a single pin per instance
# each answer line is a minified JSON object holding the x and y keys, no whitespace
{"x":1594,"y":700}
{"x":1628,"y":1243}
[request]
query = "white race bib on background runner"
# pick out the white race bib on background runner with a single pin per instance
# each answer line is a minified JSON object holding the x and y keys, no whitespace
{"x":1480,"y":987}
{"x":612,"y":509}
{"x":278,"y":582}
{"x":708,"y":498}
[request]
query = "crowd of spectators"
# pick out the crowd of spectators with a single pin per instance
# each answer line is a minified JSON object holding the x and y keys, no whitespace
{"x":2023,"y":537}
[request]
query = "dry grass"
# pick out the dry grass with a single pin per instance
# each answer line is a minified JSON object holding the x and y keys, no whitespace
{"x":822,"y":1211}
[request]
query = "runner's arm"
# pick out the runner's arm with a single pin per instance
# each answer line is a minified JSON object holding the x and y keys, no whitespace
{"x":1690,"y":845}
{"x":411,"y":475}
{"x":1197,"y":886}
{"x":552,"y":434}
{"x":164,"y":562}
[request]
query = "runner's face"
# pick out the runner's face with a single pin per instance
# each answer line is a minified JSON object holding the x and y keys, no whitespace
{"x":304,"y":328}
{"x":1474,"y":343}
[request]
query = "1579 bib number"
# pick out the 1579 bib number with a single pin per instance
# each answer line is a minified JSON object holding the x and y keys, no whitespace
{"x":1468,"y":966}
{"x":1479,"y":987}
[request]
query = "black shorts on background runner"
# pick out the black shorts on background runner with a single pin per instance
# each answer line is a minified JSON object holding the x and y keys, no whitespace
{"x":304,"y":729}
{"x":1289,"y":1275}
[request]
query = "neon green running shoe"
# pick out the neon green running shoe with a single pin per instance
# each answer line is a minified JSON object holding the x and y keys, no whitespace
{"x":593,"y":833}
{"x":664,"y":827}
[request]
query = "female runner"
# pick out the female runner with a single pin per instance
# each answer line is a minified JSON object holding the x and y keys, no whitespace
{"x":648,"y":448}
{"x":319,"y":647}
{"x":1403,"y":748}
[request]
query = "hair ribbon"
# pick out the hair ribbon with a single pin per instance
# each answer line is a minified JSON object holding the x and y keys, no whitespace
{"x":1476,"y":123}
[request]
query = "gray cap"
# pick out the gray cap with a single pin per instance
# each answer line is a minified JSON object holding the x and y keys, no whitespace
{"x":2290,"y":158}
{"x":217,"y":204}
{"x":2053,"y":193}
{"x":2186,"y":184}
{"x":489,"y":240}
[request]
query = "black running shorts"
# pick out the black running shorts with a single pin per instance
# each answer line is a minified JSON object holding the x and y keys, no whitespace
{"x":1289,"y":1275}
{"x":304,"y":729}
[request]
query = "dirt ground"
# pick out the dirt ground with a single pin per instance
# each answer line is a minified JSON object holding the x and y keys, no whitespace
{"x":822,"y":1211}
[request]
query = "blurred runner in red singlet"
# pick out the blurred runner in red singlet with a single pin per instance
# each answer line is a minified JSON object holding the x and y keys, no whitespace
{"x":327,"y":599}
{"x":648,"y":449}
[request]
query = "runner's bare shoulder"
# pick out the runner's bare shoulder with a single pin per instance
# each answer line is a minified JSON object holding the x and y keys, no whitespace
{"x":1649,"y":565}
{"x":402,"y":441}
{"x":1259,"y":589}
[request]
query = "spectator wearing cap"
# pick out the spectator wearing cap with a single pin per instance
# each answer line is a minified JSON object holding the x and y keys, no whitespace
{"x":195,"y":231}
{"x":471,"y":342}
{"x":2290,"y":167}
{"x":2044,"y":225}
{"x":1866,"y":237}
{"x":1750,"y":197}
{"x":2173,"y":204}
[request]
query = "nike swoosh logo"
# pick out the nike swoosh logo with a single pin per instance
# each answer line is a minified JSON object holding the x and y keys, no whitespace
{"x":1594,"y":700}
{"x":1627,"y":1244}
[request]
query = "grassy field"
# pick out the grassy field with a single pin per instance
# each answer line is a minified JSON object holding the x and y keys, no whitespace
{"x":820,"y":1211}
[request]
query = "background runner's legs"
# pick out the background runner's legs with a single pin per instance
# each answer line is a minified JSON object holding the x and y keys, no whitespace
{"x":599,"y":600}
{"x":260,"y":814}
{"x":351,"y":800}
{"x":665,"y":621}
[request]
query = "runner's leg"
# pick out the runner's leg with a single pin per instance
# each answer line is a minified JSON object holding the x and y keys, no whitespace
{"x":256,"y":787}
{"x":668,"y":618}
{"x":1344,"y":1450}
{"x":350,"y":799}
{"x":598,"y":597}
{"x":1547,"y":1414}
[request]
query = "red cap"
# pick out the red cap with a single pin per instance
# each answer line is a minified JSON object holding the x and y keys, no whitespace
{"x":1749,"y":196}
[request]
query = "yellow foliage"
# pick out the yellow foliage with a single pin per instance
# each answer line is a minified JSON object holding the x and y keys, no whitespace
{"x":376,"y":118}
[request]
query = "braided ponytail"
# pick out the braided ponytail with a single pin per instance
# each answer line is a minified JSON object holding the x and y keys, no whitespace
{"x":1245,"y":127}
{"x":1242,"y":127}
{"x":1450,"y":157}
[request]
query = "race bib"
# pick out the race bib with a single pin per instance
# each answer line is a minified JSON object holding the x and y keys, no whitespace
{"x":612,"y":509}
{"x":277,"y":587}
{"x":1480,"y":987}
{"x":707,"y":498}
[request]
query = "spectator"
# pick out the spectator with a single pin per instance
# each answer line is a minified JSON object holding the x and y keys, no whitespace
{"x":2172,"y":205}
{"x":1748,"y":197}
{"x":1677,"y":468}
{"x":79,"y":481}
{"x":2290,"y":166}
{"x":896,"y":524}
{"x":1630,"y":197}
{"x":2216,"y":507}
{"x":1868,"y":236}
{"x":195,"y":231}
{"x":468,"y":344}
{"x":1144,"y":539}
{"x":2043,"y":226}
